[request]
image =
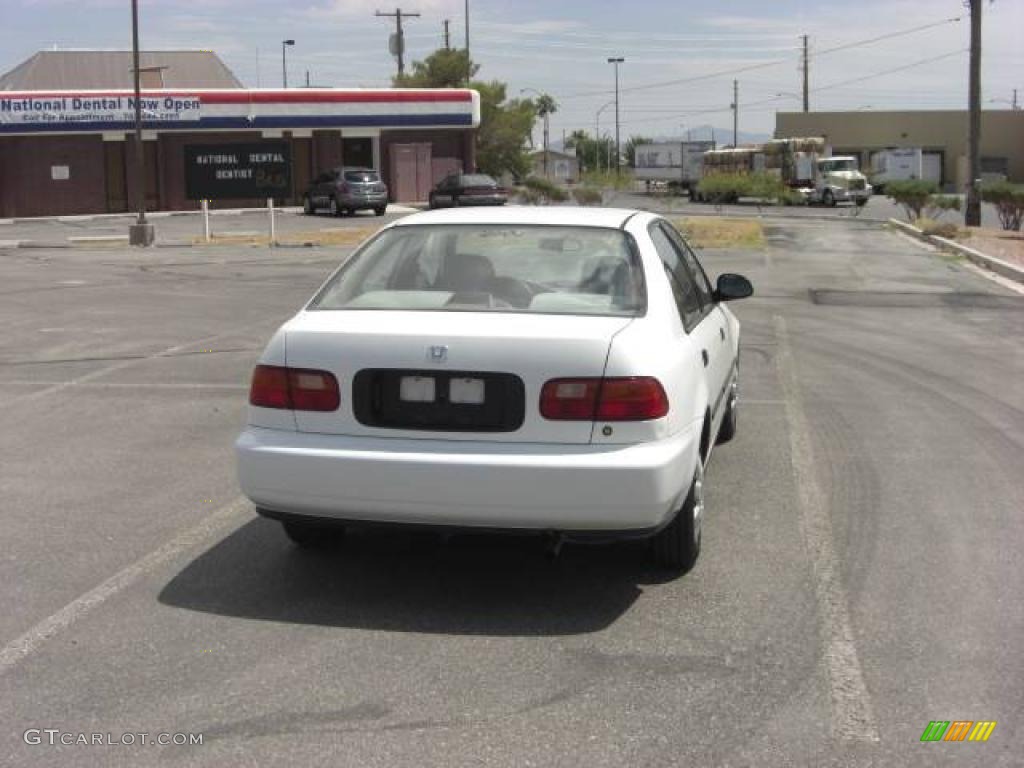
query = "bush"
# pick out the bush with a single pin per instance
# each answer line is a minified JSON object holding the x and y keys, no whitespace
{"x":936,"y":205}
{"x":723,"y":187}
{"x":609,"y":179}
{"x":1009,"y":202}
{"x":538,"y":191}
{"x":929,"y":226}
{"x":912,"y":194}
{"x":587,"y":196}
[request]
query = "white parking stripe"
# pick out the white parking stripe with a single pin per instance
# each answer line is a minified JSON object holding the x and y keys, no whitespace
{"x":852,"y":717}
{"x":215,"y":525}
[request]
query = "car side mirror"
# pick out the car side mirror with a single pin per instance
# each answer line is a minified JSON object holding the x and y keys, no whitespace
{"x":730,"y":287}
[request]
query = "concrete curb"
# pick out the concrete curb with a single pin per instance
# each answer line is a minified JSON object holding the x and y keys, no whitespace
{"x":289,"y":209}
{"x":991,"y":263}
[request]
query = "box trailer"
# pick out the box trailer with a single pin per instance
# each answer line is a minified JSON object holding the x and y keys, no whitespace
{"x":678,"y":164}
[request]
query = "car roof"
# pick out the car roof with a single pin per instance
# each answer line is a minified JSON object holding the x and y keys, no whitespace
{"x":568,"y":216}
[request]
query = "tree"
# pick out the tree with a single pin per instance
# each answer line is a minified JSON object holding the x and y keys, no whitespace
{"x":544,"y":106}
{"x":505,"y":125}
{"x":592,"y":153}
{"x":630,"y":149}
{"x":443,"y":68}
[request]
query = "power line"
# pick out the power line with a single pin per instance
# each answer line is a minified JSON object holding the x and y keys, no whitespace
{"x":766,"y":64}
{"x":828,"y":87}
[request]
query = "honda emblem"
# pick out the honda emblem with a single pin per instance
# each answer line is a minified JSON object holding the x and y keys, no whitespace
{"x":438,"y":354}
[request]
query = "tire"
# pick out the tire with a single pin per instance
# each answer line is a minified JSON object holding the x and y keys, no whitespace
{"x":307,"y":206}
{"x":380,"y":211}
{"x":431,"y":203}
{"x":861,"y":202}
{"x":311,"y":535}
{"x":332,"y":207}
{"x":727,"y":430}
{"x":677,"y":546}
{"x":828,"y":199}
{"x":455,"y":202}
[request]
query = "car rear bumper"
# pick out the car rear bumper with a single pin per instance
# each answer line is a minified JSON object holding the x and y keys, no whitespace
{"x":363,"y":201}
{"x":467,"y":484}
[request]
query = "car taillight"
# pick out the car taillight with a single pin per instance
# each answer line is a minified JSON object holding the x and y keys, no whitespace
{"x":638,"y":398}
{"x":297,"y":389}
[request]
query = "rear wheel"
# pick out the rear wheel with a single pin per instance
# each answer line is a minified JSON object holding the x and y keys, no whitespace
{"x":313,"y":536}
{"x":677,"y":546}
{"x":380,"y":210}
{"x":827,"y":198}
{"x":307,"y":206}
{"x":332,"y":206}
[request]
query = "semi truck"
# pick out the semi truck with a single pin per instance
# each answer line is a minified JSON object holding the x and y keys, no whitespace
{"x":802,"y":164}
{"x":679,"y":164}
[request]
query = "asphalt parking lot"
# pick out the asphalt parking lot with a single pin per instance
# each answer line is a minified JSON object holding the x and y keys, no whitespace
{"x":859,"y":578}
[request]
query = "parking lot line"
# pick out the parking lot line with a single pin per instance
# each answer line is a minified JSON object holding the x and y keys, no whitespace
{"x":212,"y":526}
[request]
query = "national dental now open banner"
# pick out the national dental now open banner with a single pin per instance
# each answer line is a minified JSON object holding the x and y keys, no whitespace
{"x":63,"y":110}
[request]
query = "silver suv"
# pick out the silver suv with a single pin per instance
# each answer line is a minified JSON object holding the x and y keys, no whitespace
{"x":346,"y":190}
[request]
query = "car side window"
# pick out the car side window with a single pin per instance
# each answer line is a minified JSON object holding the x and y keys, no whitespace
{"x":690,"y":259}
{"x":683,"y":288}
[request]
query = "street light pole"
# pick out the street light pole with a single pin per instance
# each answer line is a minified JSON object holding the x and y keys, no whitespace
{"x":141,"y":232}
{"x":616,"y":60}
{"x":597,"y":136}
{"x":284,"y":66}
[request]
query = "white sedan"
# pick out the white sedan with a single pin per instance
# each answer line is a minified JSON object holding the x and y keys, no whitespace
{"x":565,"y":370}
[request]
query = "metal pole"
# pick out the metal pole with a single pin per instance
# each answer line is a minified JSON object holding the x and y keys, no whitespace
{"x":616,"y":60}
{"x":807,"y":106}
{"x":735,"y":112}
{"x":447,"y":38}
{"x":206,"y":220}
{"x":972,"y":211}
{"x":141,"y":233}
{"x":469,"y":66}
{"x":270,"y":211}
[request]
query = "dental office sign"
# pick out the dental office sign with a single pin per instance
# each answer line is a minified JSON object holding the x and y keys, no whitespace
{"x":60,"y":110}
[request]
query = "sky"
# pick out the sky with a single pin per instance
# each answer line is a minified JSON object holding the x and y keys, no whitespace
{"x":680,"y":56}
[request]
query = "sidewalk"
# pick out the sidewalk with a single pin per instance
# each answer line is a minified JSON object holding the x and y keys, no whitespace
{"x":184,"y":228}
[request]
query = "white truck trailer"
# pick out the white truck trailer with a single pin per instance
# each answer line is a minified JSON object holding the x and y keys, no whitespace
{"x":903,"y":164}
{"x":679,"y":164}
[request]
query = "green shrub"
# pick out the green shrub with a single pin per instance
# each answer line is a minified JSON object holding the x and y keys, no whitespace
{"x":724,"y":187}
{"x":538,"y":191}
{"x":1009,"y":202}
{"x":912,"y":194}
{"x":587,"y":196}
{"x":608,"y":179}
{"x":936,"y":205}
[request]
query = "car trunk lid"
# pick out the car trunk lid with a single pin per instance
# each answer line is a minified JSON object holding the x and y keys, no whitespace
{"x":447,"y":375}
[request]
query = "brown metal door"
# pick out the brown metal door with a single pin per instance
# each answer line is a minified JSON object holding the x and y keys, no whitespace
{"x":117,"y":190}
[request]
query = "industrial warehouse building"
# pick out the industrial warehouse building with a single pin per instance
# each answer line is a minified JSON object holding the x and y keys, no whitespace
{"x":942,"y":135}
{"x":67,"y":131}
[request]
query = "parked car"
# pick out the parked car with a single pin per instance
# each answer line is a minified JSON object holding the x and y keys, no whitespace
{"x":346,"y":190}
{"x":563,"y":370}
{"x":467,"y":189}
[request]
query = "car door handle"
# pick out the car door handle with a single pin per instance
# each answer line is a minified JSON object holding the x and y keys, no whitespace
{"x":704,"y":356}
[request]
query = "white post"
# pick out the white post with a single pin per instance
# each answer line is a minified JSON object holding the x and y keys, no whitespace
{"x":270,"y":211}
{"x":206,"y":220}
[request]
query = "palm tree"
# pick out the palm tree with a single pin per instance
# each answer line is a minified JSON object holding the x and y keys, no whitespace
{"x":545,"y":105}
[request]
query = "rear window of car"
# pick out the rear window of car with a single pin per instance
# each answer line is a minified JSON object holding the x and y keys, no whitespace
{"x":361,"y":177}
{"x":478,"y":268}
{"x":478,"y":180}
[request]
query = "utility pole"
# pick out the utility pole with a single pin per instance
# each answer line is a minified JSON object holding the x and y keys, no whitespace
{"x":972,"y":211}
{"x":735,"y":112}
{"x":807,"y":107}
{"x":141,"y":232}
{"x":447,"y":37}
{"x":1015,"y":99}
{"x":399,"y":36}
{"x":469,"y":61}
{"x":616,"y":60}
